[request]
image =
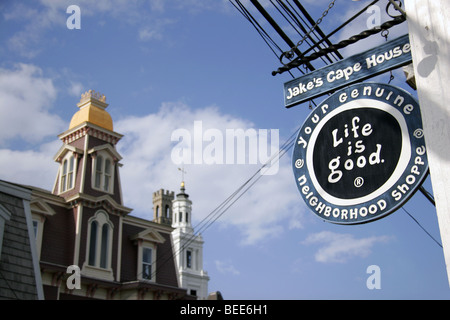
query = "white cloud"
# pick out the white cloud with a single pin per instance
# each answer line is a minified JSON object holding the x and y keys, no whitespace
{"x":26,"y":98}
{"x":155,"y":30}
{"x":148,"y":18}
{"x":35,"y":168}
{"x":75,"y":88}
{"x":261,"y":213}
{"x":339,"y":247}
{"x":226,"y":267}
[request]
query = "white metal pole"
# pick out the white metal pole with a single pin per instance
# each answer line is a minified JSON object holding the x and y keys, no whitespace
{"x":429,"y":32}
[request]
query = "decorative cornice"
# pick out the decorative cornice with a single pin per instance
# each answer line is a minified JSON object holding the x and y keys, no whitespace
{"x":106,"y":202}
{"x":91,"y":129}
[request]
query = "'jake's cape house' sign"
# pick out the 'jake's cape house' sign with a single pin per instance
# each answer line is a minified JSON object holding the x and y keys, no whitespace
{"x":360,"y":154}
{"x":388,"y":56}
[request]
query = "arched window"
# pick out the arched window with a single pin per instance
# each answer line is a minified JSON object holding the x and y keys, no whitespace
{"x":70,"y":173}
{"x":67,"y":173}
{"x":93,"y":242}
{"x":98,"y":171}
{"x":157,"y":211}
{"x":167,"y":211}
{"x":103,"y":169}
{"x":100,"y":240}
{"x":104,"y":246}
{"x":64,"y":176}
{"x":107,"y":178}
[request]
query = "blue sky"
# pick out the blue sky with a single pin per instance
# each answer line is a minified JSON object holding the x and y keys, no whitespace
{"x":164,"y":65}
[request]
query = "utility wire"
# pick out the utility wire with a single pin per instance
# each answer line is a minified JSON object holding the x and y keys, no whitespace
{"x":9,"y":286}
{"x":342,"y":44}
{"x":223,"y":207}
{"x":218,"y":212}
{"x":288,"y":16}
{"x":414,"y":219}
{"x":263,"y":33}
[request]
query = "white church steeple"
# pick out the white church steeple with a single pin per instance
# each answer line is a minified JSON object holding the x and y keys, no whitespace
{"x":182,"y":209}
{"x":188,"y":247}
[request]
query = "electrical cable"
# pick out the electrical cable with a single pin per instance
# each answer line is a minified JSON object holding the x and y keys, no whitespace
{"x":316,"y":31}
{"x":414,"y":219}
{"x":223,"y":207}
{"x":214,"y":215}
{"x":327,"y":37}
{"x":342,"y":44}
{"x":294,"y":48}
{"x":309,"y":39}
{"x":9,"y":286}
{"x":263,"y":33}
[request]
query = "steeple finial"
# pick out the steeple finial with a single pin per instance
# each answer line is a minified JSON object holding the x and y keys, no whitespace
{"x":183,"y":172}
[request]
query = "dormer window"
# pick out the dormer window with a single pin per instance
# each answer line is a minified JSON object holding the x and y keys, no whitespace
{"x":147,"y":242}
{"x":67,"y":173}
{"x":103,"y":173}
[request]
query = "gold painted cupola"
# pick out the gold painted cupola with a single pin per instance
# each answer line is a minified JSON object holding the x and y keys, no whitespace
{"x":88,"y":159}
{"x":92,"y":109}
{"x":91,"y":117}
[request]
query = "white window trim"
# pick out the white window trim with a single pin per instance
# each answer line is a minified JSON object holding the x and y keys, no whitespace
{"x":40,"y":226}
{"x":61,"y":172}
{"x":102,"y":218}
{"x":105,"y":156}
{"x":146,"y":244}
{"x":147,"y":238}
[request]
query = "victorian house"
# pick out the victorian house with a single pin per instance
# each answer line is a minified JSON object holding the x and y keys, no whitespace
{"x":89,"y":245}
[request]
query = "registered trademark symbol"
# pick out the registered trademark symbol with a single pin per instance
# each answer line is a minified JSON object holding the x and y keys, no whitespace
{"x":359,"y":181}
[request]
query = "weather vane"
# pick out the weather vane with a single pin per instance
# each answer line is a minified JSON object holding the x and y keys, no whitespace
{"x":183,"y":172}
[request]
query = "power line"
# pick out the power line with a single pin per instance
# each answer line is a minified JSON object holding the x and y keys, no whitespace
{"x":271,"y":43}
{"x":9,"y":286}
{"x":340,"y":45}
{"x":418,"y":223}
{"x":223,"y":207}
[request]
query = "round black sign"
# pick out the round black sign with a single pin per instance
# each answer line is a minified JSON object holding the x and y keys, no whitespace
{"x":361,"y":153}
